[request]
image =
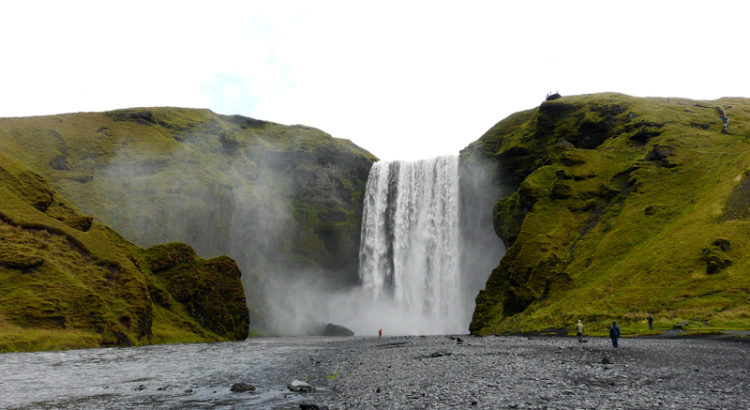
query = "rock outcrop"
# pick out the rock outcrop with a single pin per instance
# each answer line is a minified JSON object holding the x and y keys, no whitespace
{"x":280,"y":200}
{"x":67,"y":281}
{"x":612,"y":203}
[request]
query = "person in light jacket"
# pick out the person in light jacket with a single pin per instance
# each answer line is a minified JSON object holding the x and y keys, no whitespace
{"x":579,"y":331}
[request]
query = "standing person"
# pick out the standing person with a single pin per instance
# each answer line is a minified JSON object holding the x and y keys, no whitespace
{"x":650,"y":319}
{"x":614,"y":333}
{"x":579,"y":330}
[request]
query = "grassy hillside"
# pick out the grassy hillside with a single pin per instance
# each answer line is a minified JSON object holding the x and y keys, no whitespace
{"x":67,"y":281}
{"x":620,"y":206}
{"x":281,"y":200}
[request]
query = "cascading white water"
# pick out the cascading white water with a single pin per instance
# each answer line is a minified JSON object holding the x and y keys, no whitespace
{"x":409,"y":252}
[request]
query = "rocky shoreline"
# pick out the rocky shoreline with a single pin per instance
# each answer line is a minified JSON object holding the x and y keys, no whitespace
{"x":413,"y":372}
{"x":532,"y":372}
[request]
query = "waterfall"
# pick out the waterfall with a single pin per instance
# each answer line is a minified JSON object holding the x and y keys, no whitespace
{"x":409,"y":249}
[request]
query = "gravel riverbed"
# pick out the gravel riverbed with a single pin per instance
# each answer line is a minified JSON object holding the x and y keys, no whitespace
{"x":536,"y":372}
{"x":434,"y":372}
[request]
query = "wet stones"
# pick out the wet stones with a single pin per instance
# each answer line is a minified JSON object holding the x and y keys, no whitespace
{"x":242,"y":388}
{"x":309,"y":406}
{"x":300,"y":387}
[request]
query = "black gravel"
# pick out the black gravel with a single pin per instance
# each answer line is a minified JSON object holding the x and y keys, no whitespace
{"x":538,"y":372}
{"x":436,"y":372}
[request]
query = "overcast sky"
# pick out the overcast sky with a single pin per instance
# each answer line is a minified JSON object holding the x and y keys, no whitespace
{"x":402,"y":79}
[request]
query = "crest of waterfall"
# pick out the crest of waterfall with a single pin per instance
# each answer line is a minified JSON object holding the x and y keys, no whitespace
{"x":409,"y":252}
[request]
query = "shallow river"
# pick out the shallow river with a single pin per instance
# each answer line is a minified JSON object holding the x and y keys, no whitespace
{"x":167,"y":376}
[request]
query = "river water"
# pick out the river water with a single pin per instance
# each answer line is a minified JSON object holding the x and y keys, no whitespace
{"x":164,"y":376}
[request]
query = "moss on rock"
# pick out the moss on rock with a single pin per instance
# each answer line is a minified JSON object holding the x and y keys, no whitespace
{"x":613,"y":203}
{"x":68,"y":282}
{"x":279,"y":199}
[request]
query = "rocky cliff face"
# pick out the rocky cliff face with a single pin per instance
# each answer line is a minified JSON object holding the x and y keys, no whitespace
{"x":67,"y":281}
{"x":281,"y":200}
{"x":619,"y":206}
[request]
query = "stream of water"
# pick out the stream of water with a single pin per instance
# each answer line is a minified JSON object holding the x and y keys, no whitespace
{"x":162,"y":376}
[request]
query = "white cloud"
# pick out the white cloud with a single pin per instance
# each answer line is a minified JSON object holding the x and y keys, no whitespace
{"x":402,"y":79}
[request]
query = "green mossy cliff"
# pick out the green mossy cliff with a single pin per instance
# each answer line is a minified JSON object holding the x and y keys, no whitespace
{"x":67,"y":281}
{"x":620,"y":206}
{"x":281,"y":200}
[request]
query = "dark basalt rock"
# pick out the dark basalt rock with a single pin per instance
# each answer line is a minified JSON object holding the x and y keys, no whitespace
{"x":246,"y":122}
{"x":700,"y":125}
{"x":242,"y":388}
{"x":560,"y":190}
{"x":714,"y":263}
{"x":722,"y":244}
{"x":562,"y":175}
{"x":332,"y":330}
{"x":642,"y":132}
{"x":517,"y":299}
{"x":81,"y":223}
{"x":309,"y":406}
{"x":143,"y":117}
{"x":60,"y":163}
{"x":661,"y":154}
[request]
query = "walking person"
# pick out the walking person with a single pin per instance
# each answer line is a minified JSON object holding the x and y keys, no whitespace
{"x":579,"y":331}
{"x":650,"y":319}
{"x":614,"y":333}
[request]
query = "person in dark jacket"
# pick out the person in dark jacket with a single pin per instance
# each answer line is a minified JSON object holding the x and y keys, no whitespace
{"x":650,"y":319}
{"x":614,"y":333}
